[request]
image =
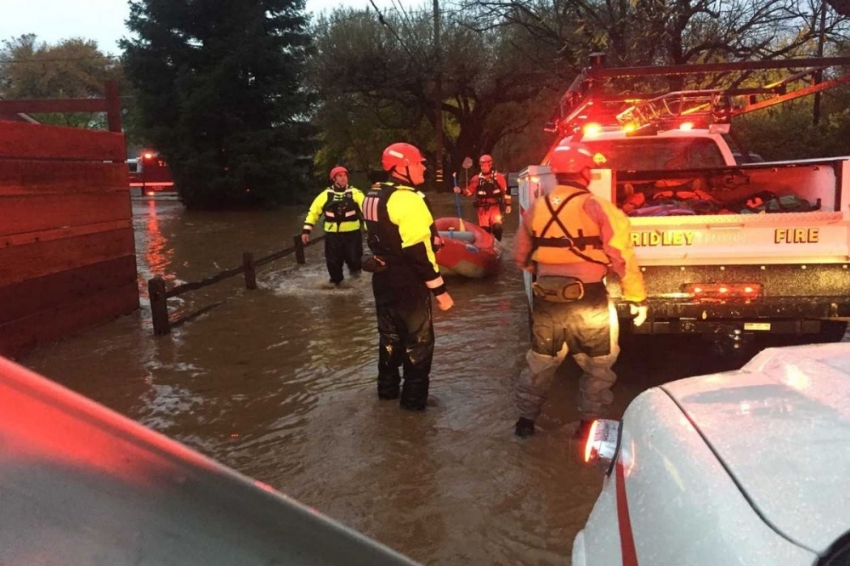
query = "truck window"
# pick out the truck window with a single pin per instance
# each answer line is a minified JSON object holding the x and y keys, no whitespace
{"x":656,"y":154}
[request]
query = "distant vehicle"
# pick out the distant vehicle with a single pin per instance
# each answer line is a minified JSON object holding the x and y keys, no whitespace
{"x":150,"y":173}
{"x":741,"y":467}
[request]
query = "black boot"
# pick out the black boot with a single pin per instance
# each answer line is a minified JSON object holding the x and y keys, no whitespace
{"x":524,"y":427}
{"x":389,"y":387}
{"x":414,"y":394}
{"x":497,"y":231}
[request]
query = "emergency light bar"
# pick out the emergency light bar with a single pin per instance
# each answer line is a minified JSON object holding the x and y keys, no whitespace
{"x":585,"y":100}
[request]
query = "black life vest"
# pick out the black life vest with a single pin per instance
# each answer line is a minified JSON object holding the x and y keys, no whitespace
{"x":340,"y":207}
{"x":384,"y":238}
{"x":488,"y":191}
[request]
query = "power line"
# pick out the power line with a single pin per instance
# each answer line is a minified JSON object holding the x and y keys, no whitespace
{"x":389,"y":27}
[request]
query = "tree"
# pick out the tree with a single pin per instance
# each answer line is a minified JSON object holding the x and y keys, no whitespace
{"x":219,"y":94}
{"x":660,"y":32}
{"x":374,"y":77}
{"x":73,"y":68}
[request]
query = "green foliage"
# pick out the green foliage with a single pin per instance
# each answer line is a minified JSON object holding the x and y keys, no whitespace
{"x":219,"y":95}
{"x":73,"y":68}
{"x":787,"y":132}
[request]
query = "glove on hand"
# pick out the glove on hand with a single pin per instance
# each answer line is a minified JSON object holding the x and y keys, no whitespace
{"x":639,"y":312}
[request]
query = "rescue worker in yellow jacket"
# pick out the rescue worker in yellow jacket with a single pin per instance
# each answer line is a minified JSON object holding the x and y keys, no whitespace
{"x":405,"y":276}
{"x":570,"y":239}
{"x":341,"y":206}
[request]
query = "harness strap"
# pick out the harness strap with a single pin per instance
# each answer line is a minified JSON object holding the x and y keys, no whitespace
{"x":568,"y":242}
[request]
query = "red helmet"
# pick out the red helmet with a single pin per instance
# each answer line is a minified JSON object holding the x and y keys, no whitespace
{"x":485,"y":159}
{"x":400,"y":156}
{"x":572,"y":158}
{"x":337,"y":170}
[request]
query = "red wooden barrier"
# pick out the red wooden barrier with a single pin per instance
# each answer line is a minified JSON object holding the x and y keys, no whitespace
{"x":67,"y":255}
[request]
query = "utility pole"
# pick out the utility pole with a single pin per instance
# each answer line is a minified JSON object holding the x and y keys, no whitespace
{"x":438,"y":98}
{"x":818,"y":74}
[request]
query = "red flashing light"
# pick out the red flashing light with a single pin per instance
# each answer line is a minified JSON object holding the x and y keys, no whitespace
{"x":686,"y":126}
{"x":724,"y":291}
{"x":147,"y":155}
{"x":591,"y":129}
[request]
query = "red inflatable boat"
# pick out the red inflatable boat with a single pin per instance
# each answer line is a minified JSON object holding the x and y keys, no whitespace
{"x":467,"y":249}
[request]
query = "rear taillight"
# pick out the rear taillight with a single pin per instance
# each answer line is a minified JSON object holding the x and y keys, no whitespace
{"x":603,"y":442}
{"x":724,"y":291}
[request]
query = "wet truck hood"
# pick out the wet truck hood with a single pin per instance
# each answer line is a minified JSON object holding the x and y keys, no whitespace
{"x":781,"y":427}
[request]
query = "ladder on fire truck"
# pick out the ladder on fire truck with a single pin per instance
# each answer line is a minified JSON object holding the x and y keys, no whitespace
{"x":586,"y":101}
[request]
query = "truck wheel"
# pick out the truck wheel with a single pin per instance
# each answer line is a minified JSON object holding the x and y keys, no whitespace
{"x":831,"y":331}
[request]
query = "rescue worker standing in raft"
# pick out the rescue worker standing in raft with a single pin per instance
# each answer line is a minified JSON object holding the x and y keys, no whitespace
{"x":570,"y":239}
{"x":492,"y":198}
{"x":406,"y":274}
{"x":342,"y":206}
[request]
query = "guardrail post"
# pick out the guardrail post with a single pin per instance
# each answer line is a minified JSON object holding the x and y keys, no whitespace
{"x":159,"y":306}
{"x":299,"y":249}
{"x":250,"y":270}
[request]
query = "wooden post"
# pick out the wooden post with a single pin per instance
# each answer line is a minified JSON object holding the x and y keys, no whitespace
{"x":159,"y":306}
{"x":250,"y":270}
{"x":299,"y":249}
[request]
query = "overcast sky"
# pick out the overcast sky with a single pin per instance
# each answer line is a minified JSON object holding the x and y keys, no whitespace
{"x":100,"y":20}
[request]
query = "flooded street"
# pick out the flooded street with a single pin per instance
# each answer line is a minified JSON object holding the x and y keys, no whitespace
{"x":278,"y":383}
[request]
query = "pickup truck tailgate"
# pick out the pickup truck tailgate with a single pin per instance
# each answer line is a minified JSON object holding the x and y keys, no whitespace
{"x":799,"y":237}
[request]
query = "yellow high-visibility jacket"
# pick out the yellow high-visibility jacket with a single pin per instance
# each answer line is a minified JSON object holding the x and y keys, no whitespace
{"x":400,"y":228}
{"x":342,"y":210}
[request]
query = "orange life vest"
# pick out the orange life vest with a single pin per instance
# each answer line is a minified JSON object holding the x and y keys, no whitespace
{"x":562,"y":232}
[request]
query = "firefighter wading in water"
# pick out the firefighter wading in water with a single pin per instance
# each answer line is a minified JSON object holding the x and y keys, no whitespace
{"x":342,"y":206}
{"x":405,"y":275}
{"x":491,"y":196}
{"x":570,"y":239}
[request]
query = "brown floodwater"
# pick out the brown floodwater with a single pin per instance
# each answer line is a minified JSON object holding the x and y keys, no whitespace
{"x":278,"y":383}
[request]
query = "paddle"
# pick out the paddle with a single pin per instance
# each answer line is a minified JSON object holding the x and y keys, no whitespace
{"x":457,"y":203}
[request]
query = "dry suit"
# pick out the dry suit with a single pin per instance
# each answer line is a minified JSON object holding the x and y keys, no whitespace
{"x":341,"y":207}
{"x":571,"y":239}
{"x":491,"y":199}
{"x":405,"y":275}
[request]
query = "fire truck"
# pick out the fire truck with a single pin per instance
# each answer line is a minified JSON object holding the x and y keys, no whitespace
{"x":150,"y":173}
{"x":729,"y":250}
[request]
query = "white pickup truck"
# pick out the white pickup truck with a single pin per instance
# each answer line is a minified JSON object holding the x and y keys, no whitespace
{"x":727,"y":250}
